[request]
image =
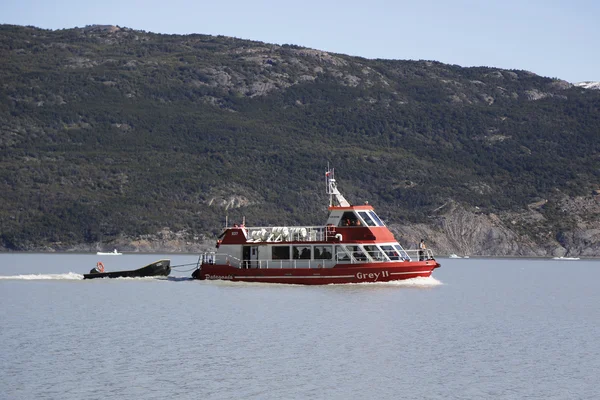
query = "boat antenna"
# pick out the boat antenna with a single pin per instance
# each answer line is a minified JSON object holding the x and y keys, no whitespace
{"x":333,"y":191}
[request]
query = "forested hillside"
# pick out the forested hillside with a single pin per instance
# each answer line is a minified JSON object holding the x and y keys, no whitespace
{"x":111,"y":136}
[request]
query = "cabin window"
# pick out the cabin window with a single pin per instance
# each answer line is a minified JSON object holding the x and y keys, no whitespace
{"x":365,"y":216}
{"x":301,"y":252}
{"x":391,"y":253}
{"x":341,"y":254}
{"x":357,"y":253}
{"x":402,"y":252}
{"x":349,"y":219}
{"x":323,"y":253}
{"x":280,"y":252}
{"x":376,"y":218}
{"x":375,"y":253}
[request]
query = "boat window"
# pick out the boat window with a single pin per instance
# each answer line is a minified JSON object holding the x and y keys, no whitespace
{"x":402,"y":252}
{"x":349,"y":219}
{"x":365,"y":216}
{"x":301,"y":252}
{"x":341,"y":254}
{"x":357,"y":253}
{"x":376,"y":218}
{"x":391,"y":253}
{"x":280,"y":253}
{"x":375,"y":253}
{"x":323,"y":253}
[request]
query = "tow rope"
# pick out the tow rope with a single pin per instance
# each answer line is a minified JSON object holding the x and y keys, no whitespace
{"x":174,"y":267}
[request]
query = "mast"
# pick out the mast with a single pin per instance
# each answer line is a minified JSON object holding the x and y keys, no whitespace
{"x":333,"y":191}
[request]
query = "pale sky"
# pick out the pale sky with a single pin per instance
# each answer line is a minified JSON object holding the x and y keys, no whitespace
{"x":553,"y":38}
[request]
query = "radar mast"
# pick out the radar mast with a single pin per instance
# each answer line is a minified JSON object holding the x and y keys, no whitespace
{"x":333,"y":191}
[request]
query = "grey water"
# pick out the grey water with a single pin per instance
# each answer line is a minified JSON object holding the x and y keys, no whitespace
{"x":478,"y":329}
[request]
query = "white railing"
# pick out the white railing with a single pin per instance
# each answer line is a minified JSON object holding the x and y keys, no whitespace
{"x":221,"y":258}
{"x":288,"y":234}
{"x":356,"y":257}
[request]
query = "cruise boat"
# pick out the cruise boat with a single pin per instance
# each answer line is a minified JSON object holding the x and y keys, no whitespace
{"x":354,"y":246}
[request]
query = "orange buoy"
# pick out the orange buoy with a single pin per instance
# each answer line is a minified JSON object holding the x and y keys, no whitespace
{"x":100,"y":266}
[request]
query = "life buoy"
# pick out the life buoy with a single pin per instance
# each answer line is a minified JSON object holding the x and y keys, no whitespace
{"x":319,"y":266}
{"x":100,"y":266}
{"x":339,"y":237}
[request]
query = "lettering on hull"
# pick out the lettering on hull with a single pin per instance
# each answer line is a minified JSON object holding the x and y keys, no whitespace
{"x":372,"y":275}
{"x":216,"y":277}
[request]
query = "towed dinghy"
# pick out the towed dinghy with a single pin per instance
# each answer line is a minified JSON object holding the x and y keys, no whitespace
{"x":157,"y":268}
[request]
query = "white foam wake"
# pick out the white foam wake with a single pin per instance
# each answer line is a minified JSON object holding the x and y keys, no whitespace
{"x":412,"y":282}
{"x":34,"y":277}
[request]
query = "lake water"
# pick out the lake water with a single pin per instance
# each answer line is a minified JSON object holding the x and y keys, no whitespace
{"x":480,"y":329}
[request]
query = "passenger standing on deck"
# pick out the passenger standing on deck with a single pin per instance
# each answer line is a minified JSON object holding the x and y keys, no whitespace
{"x":422,"y":249}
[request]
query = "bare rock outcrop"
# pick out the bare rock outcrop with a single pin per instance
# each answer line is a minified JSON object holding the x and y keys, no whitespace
{"x":462,"y":231}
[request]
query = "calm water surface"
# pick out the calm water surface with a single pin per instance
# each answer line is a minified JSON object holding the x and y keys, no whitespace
{"x":481,"y":329}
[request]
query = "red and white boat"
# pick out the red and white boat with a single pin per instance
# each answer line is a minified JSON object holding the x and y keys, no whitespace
{"x":354,"y":246}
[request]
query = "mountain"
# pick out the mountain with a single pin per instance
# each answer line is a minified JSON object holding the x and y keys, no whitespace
{"x":116,"y":137}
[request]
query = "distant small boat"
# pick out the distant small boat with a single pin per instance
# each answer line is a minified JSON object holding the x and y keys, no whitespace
{"x":112,"y":253}
{"x":157,"y":268}
{"x":566,"y":258}
{"x":454,"y":256}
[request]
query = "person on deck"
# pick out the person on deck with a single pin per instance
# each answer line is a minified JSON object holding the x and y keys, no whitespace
{"x":422,"y":249}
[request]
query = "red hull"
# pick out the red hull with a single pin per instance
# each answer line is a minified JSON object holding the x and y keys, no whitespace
{"x":341,"y":273}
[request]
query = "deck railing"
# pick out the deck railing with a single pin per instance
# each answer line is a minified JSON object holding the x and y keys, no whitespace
{"x":293,"y":233}
{"x":357,"y":257}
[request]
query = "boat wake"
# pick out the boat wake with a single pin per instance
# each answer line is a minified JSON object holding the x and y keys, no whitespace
{"x":413,"y":282}
{"x":419,"y":282}
{"x":179,"y":278}
{"x":70,"y":276}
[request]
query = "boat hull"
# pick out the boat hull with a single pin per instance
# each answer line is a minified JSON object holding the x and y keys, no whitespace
{"x":340,"y":274}
{"x":157,"y":268}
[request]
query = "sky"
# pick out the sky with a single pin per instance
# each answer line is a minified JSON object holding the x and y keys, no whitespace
{"x":552,"y":38}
